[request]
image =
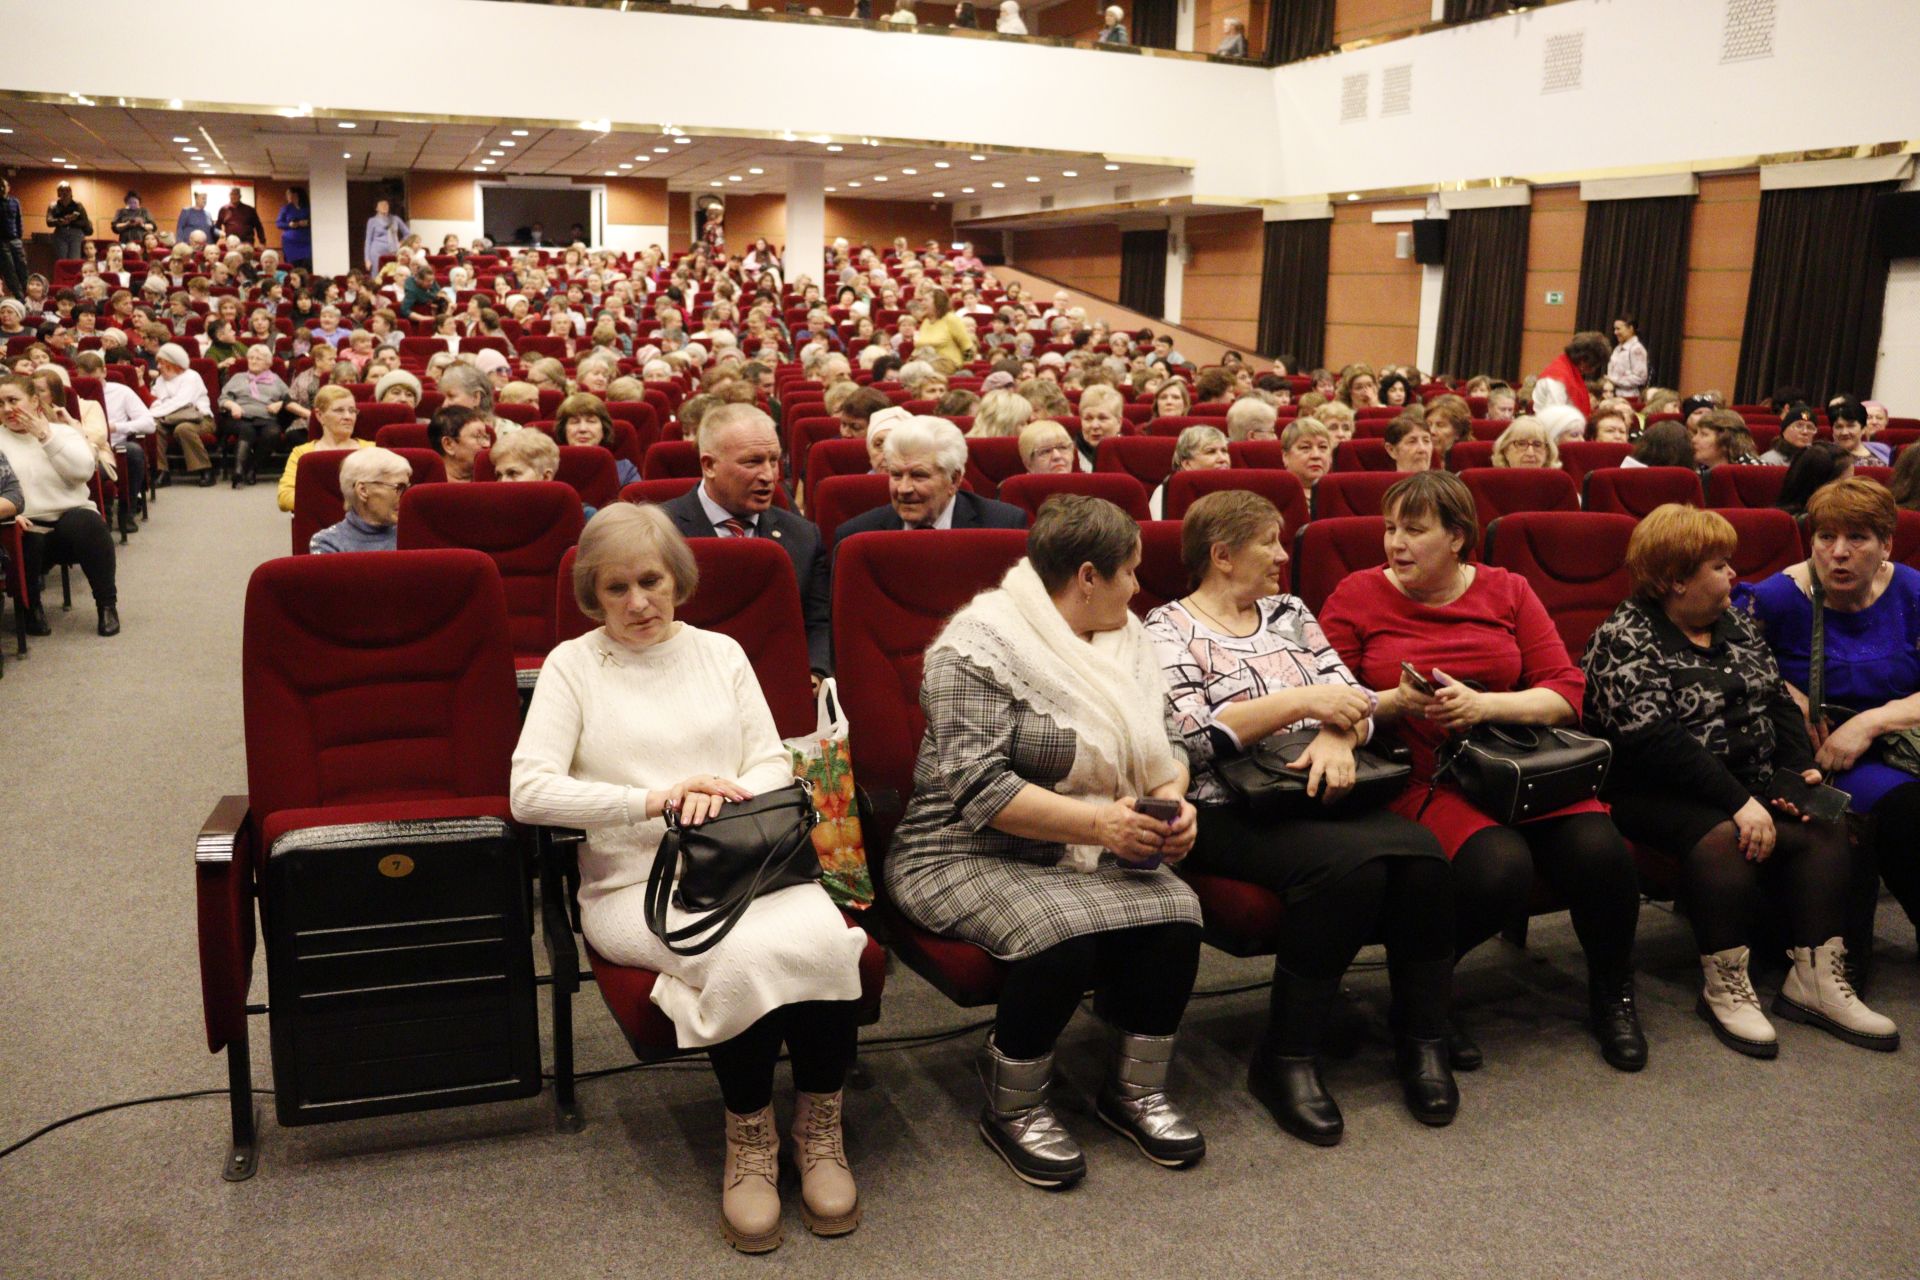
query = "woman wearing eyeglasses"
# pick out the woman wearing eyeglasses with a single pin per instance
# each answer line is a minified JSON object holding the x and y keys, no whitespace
{"x":372,"y":482}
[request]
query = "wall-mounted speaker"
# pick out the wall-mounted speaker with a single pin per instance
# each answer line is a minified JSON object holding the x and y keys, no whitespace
{"x":1430,"y":242}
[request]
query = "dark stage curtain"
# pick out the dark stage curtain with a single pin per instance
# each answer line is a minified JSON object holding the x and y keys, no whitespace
{"x":1485,"y":292}
{"x":1298,"y":29}
{"x":1155,"y":23}
{"x":1293,"y":292}
{"x":1143,"y":271}
{"x":1814,"y":303}
{"x":1633,"y":262}
{"x":1468,"y":10}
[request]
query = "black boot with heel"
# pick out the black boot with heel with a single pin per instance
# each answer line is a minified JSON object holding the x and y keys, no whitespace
{"x":1285,"y":1073}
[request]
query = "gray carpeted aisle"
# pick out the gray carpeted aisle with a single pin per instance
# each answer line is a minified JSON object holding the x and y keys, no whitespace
{"x":1706,"y":1164}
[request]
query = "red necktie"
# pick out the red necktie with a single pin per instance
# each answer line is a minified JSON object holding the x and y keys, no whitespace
{"x":735,"y":528}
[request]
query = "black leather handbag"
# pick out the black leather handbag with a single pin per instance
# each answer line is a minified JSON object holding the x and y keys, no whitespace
{"x":753,"y":847}
{"x":1513,"y":772}
{"x":1260,"y":777}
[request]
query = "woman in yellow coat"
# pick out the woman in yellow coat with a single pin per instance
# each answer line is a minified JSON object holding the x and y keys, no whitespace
{"x":944,"y":331}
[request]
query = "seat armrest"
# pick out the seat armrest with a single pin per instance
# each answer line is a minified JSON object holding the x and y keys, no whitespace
{"x":557,"y":851}
{"x":223,"y":866}
{"x":223,"y":831}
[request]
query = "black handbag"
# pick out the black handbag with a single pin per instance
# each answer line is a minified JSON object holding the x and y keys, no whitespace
{"x":1260,"y":777}
{"x":1513,"y":772}
{"x":752,"y":847}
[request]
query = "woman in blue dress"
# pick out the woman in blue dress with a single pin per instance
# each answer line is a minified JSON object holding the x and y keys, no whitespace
{"x":1871,"y":641}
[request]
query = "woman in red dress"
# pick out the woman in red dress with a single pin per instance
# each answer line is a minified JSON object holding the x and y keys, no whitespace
{"x":1455,"y":621}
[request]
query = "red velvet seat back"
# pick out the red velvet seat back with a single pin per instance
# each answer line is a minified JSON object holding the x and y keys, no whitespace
{"x":658,"y":490}
{"x":373,"y":417}
{"x":1576,"y":561}
{"x":1468,"y":454}
{"x":1577,"y":457}
{"x":1769,"y":541}
{"x":1362,"y":455}
{"x":1499,"y":491}
{"x":839,"y":499}
{"x":370,"y":678}
{"x":804,"y":433}
{"x":669,"y":458}
{"x":1737,"y":486}
{"x":405,"y":435}
{"x":1634,"y":491}
{"x":1172,"y":426}
{"x":1281,"y":488}
{"x":317,"y":500}
{"x":1351,"y":493}
{"x":524,"y":528}
{"x":991,"y":462}
{"x":1266,"y":455}
{"x":1028,"y":492}
{"x":1162,"y":576}
{"x":642,"y":421}
{"x":836,"y":457}
{"x":588,"y":470}
{"x":1148,"y":459}
{"x":1326,"y":551}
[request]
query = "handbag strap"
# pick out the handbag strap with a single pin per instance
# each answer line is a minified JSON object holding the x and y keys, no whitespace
{"x":1817,"y":659}
{"x":723,"y":917}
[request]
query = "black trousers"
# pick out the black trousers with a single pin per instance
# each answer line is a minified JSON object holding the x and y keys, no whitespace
{"x":261,"y":435}
{"x":79,"y":537}
{"x":1895,"y":858}
{"x":1808,"y":875}
{"x":1585,"y":861}
{"x":820,"y":1037}
{"x":133,"y":464}
{"x":1142,"y":977}
{"x":13,"y":267}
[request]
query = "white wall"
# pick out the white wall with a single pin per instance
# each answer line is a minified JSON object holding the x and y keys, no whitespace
{"x":634,"y":237}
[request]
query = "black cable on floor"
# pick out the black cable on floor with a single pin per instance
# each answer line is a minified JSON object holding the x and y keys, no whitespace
{"x":64,"y":1121}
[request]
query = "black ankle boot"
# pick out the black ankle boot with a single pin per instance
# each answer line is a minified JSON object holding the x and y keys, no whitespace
{"x":1427,"y":1080}
{"x":1463,"y":1052}
{"x":209,"y":478}
{"x":1616,"y":1022}
{"x":1285,"y":1072}
{"x":109,"y":620}
{"x":37,"y":624}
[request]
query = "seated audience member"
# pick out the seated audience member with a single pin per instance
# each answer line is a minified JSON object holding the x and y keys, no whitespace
{"x":128,"y":419}
{"x":739,"y":472}
{"x":1818,"y":465}
{"x":1359,"y":388}
{"x":459,"y":434}
{"x":646,"y":716}
{"x":1306,"y":447}
{"x":955,"y":404}
{"x":1500,"y":402}
{"x":515,"y":393}
{"x":926,"y":459}
{"x":252,"y":401}
{"x":1526,"y":444}
{"x":1250,"y":418}
{"x":50,"y":392}
{"x":1337,"y":418}
{"x":520,"y":456}
{"x":1215,"y":386}
{"x":1197,"y":449}
{"x":1797,"y":431}
{"x":1563,"y":423}
{"x":1703,"y":728}
{"x":1664,"y":444}
{"x":1409,"y":444}
{"x":1849,"y":421}
{"x":306,"y":383}
{"x":329,"y":330}
{"x":857,"y":407}
{"x":1046,"y":448}
{"x":1870,"y":626}
{"x":1114,"y":28}
{"x":1010,"y":23}
{"x":50,"y":464}
{"x":1613,"y":422}
{"x":1102,"y":415}
{"x":1046,"y":723}
{"x":1564,"y":381}
{"x":1905,"y":483}
{"x":1396,"y":392}
{"x":1716,"y":436}
{"x":1046,"y":398}
{"x":1001,"y":413}
{"x":879,"y":427}
{"x":1173,"y":400}
{"x":334,"y":413}
{"x":582,"y":419}
{"x":1480,"y":639}
{"x":1877,"y":417}
{"x":372,"y":482}
{"x":180,"y":406}
{"x":1244,"y":661}
{"x":1449,"y":421}
{"x":397,"y":387}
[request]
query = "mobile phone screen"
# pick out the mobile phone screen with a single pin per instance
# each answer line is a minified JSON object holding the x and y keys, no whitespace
{"x":1162,"y":810}
{"x":1415,"y":679}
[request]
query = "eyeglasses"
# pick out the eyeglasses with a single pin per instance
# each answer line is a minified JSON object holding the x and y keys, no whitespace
{"x":398,"y":487}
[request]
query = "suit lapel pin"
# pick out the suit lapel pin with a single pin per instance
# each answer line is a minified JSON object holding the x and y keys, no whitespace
{"x":776,"y":533}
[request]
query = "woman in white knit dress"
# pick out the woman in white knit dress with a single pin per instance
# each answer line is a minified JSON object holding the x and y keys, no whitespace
{"x":646,"y":714}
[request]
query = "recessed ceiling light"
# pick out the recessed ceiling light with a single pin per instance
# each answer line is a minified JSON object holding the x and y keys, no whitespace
{"x":486,"y":162}
{"x":941,"y":164}
{"x":879,"y":177}
{"x":1112,"y":168}
{"x":830,"y":190}
{"x":614,"y":173}
{"x":660,"y":151}
{"x":733,"y":177}
{"x":911,"y":173}
{"x":1353,"y":195}
{"x":519,"y":133}
{"x":182,"y":139}
{"x":976,"y":157}
{"x":834,"y":146}
{"x":756,"y":172}
{"x":998,"y":185}
{"x":1069,"y":173}
{"x":939,"y":195}
{"x":496,"y":153}
{"x":626,"y":165}
{"x":346,"y":124}
{"x":966,"y":191}
{"x":853,"y":184}
{"x":192,"y":151}
{"x":713,"y":184}
{"x":1032,"y":178}
{"x":346,"y":155}
{"x":480,"y":168}
{"x":59,"y":159}
{"x":682,"y":142}
{"x":644,"y":159}
{"x":69,"y":166}
{"x":508,"y":142}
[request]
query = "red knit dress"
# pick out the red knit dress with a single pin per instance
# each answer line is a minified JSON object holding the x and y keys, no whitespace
{"x":1497,"y":633}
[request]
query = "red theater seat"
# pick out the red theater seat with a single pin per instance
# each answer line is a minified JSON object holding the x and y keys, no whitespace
{"x":525,"y":528}
{"x":1577,"y":457}
{"x":1737,"y":486}
{"x":1769,"y":541}
{"x":405,"y":435}
{"x":1148,"y":459}
{"x":588,"y":469}
{"x":1635,"y":491}
{"x":991,"y":462}
{"x":1499,"y":491}
{"x":670,"y":458}
{"x":373,"y":417}
{"x":1351,"y":493}
{"x":1162,"y":576}
{"x":1576,"y":561}
{"x":836,"y":457}
{"x":642,"y":420}
{"x":1281,"y":488}
{"x":1467,"y":454}
{"x":1362,"y":455}
{"x":1030,"y":491}
{"x":841,"y":498}
{"x":886,"y":609}
{"x":1327,"y":550}
{"x":1263,"y":455}
{"x":317,"y":500}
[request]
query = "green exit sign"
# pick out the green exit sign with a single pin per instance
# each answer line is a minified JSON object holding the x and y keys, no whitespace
{"x":1556,"y":298}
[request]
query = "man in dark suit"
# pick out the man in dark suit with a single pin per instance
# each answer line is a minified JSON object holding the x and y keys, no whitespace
{"x":740,"y":469}
{"x":925,"y":460}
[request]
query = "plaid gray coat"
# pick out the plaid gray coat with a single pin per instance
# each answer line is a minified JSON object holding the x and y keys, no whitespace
{"x":950,"y":872}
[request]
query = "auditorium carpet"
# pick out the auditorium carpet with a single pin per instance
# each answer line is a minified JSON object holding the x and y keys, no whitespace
{"x":1707,"y":1164}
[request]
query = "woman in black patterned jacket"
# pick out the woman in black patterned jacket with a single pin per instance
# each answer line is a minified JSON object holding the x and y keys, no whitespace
{"x":1704,"y":731}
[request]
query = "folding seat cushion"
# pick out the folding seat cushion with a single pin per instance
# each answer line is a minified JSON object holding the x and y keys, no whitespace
{"x":887,"y":608}
{"x":1327,"y":550}
{"x":840,"y":498}
{"x":1498,"y":491}
{"x":669,"y":458}
{"x":404,"y":435}
{"x":317,"y":500}
{"x":1264,"y":455}
{"x":835,"y":457}
{"x":1769,"y":541}
{"x":1362,"y":455}
{"x":373,"y":417}
{"x":1281,"y":488}
{"x":1030,"y":491}
{"x":1577,"y":457}
{"x":525,"y":528}
{"x":991,"y":461}
{"x":1162,"y":576}
{"x":1635,"y":491}
{"x":1737,"y":486}
{"x":1148,"y":459}
{"x":1469,"y":454}
{"x":1351,"y":493}
{"x":1575,"y":560}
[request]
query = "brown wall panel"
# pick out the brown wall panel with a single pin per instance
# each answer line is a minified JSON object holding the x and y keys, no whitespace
{"x":440,"y":197}
{"x":1373,"y":297}
{"x":1360,"y":19}
{"x":879,"y":221}
{"x":1220,"y":288}
{"x":1085,"y":258}
{"x":750,"y":217}
{"x":1388,"y":339}
{"x":1073,"y":19}
{"x":103,"y":193}
{"x":1726,"y":220}
{"x":679,"y":221}
{"x":1555,"y":229}
{"x":634,"y":202}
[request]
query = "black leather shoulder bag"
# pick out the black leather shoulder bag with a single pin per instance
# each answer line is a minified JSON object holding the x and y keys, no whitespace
{"x":752,"y":847}
{"x":1260,"y":777}
{"x":1514,"y":772}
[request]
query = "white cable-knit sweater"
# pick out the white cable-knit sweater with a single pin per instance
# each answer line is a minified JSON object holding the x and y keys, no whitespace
{"x":607,"y":725}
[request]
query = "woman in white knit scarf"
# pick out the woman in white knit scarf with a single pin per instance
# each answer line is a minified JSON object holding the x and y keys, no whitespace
{"x":1046,"y":729}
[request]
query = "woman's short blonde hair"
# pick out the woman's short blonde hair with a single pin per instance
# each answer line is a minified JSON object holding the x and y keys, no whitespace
{"x":1525,"y":429}
{"x":619,"y":533}
{"x":1036,"y":434}
{"x":1304,"y":429}
{"x":1001,"y":413}
{"x":535,"y":448}
{"x":1101,"y":394}
{"x":518,"y":393}
{"x":1334,"y":411}
{"x":1193,"y":440}
{"x":1670,"y":544}
{"x":1233,"y":517}
{"x":326,"y":397}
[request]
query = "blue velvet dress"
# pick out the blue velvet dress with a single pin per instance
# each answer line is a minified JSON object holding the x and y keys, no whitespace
{"x":1873,"y":658}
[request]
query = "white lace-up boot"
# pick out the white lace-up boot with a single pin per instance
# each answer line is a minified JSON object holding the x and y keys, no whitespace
{"x":1730,"y":1006}
{"x":1818,"y":993}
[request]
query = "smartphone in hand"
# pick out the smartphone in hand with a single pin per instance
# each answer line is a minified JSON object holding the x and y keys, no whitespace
{"x":1415,"y":679}
{"x":1167,"y":811}
{"x":1824,"y":802}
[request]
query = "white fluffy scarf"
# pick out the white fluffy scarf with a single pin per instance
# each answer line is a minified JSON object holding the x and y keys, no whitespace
{"x":1110,"y":693}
